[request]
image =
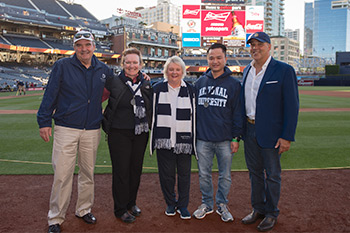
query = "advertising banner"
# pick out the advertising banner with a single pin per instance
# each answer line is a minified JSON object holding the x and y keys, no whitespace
{"x":216,"y":23}
{"x":224,"y":1}
{"x":191,"y":39}
{"x":191,"y":11}
{"x":255,"y":13}
{"x":208,"y":41}
{"x":231,"y":23}
{"x":254,"y":26}
{"x":223,"y":23}
{"x":191,"y":25}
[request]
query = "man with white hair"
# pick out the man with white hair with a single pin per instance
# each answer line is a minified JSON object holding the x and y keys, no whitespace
{"x":73,"y":99}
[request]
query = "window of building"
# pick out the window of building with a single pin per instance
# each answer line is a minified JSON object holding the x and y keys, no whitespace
{"x":145,"y":51}
{"x":159,"y":52}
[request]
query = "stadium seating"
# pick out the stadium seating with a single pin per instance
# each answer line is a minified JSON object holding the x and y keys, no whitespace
{"x":21,"y":40}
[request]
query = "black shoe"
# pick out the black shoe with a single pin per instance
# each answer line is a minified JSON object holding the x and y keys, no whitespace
{"x":252,"y":217}
{"x":54,"y":228}
{"x":267,"y":224}
{"x":127,"y":217}
{"x":135,"y":211}
{"x":88,"y":218}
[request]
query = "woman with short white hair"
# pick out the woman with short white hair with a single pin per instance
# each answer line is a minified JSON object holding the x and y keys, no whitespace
{"x":173,"y":134}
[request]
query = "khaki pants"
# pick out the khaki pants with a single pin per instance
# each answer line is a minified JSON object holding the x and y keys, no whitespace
{"x":67,"y":143}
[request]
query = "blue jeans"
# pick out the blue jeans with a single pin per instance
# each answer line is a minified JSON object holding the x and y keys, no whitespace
{"x":206,"y":152}
{"x":265,"y":174}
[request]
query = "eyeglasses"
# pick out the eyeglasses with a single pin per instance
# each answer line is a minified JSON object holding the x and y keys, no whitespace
{"x":85,"y":35}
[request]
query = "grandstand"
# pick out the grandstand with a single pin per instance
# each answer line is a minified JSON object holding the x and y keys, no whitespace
{"x":41,"y":31}
{"x":10,"y":73}
{"x":36,"y":33}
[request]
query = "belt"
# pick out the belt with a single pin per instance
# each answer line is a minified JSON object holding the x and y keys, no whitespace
{"x":251,"y":121}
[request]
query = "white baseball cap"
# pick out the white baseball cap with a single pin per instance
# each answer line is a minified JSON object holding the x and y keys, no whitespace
{"x":83,"y":35}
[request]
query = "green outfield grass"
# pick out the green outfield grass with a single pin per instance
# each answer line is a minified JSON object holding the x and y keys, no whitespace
{"x":322,"y":140}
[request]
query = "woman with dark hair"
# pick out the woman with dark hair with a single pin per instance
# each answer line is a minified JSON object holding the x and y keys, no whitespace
{"x":173,"y":135}
{"x":127,"y":120}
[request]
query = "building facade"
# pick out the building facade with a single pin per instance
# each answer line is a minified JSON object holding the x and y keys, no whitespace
{"x":165,"y":12}
{"x":286,"y":50}
{"x":330,"y":28}
{"x":293,"y":34}
{"x":156,"y":46}
{"x":308,"y":28}
{"x":273,"y":15}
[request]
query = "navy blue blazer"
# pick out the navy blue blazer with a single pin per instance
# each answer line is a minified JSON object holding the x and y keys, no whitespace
{"x":277,"y":104}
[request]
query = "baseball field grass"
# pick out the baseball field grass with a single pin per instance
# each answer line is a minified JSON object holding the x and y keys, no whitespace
{"x":322,"y":138}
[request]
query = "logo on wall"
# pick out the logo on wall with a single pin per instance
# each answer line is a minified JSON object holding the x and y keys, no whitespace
{"x":191,"y":24}
{"x":220,"y":17}
{"x":191,"y":12}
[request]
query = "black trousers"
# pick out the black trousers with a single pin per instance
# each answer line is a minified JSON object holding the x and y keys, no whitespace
{"x":168,"y":164}
{"x":127,"y":152}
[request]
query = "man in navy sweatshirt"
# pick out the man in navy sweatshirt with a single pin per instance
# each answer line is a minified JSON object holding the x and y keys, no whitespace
{"x":219,"y":128}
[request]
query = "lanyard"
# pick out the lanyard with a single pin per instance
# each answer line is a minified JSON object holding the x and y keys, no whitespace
{"x":132,"y":101}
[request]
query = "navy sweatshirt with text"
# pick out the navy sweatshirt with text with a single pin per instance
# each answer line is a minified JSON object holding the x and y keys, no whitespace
{"x":221,"y":120}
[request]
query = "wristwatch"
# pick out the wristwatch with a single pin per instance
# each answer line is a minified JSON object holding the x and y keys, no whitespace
{"x":236,"y":139}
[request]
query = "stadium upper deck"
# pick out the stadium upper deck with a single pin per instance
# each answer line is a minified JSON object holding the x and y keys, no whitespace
{"x":41,"y":31}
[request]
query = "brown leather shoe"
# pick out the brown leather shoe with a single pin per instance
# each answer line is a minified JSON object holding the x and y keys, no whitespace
{"x":267,"y":224}
{"x":252,"y":217}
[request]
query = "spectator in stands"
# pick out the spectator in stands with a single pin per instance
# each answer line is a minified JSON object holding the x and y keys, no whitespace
{"x":127,"y":119}
{"x":270,"y":104}
{"x":219,"y":126}
{"x":173,"y":135}
{"x":77,"y":112}
{"x":20,"y":88}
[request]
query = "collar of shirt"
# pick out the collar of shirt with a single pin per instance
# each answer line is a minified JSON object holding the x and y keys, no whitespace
{"x":252,"y":64}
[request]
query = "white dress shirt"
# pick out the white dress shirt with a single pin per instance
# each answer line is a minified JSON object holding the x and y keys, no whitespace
{"x":251,"y":89}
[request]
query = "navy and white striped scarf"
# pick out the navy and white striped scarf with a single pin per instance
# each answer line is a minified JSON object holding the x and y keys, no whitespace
{"x":141,"y":123}
{"x":184,"y":120}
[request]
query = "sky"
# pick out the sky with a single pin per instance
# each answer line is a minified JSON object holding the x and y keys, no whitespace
{"x":102,"y":9}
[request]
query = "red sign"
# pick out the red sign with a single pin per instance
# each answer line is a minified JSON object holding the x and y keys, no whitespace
{"x":216,"y":23}
{"x":305,"y":82}
{"x":191,"y":12}
{"x":254,"y":26}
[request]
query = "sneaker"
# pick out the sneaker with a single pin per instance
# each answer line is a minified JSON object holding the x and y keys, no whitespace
{"x":202,"y":211}
{"x":54,"y":228}
{"x":184,"y":214}
{"x":170,"y":210}
{"x":225,"y":214}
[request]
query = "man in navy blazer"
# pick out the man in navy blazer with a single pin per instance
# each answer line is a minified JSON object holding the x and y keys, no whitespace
{"x":270,"y":104}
